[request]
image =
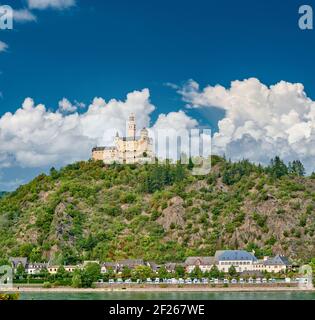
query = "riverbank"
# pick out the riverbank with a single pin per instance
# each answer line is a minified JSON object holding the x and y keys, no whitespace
{"x":199,"y":288}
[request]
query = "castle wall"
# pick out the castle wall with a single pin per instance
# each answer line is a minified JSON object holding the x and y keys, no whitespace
{"x":98,"y":155}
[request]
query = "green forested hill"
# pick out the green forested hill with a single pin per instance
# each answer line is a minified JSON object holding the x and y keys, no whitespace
{"x":159,"y":212}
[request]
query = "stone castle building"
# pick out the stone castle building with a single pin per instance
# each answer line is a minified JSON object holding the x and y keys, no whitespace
{"x":129,"y":149}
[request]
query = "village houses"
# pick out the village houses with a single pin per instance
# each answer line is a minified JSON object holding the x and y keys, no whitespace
{"x":241,"y":260}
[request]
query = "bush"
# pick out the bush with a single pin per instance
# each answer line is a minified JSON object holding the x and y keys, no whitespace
{"x":260,"y":219}
{"x":234,"y":172}
{"x":302,"y":222}
{"x":128,"y":197}
{"x":111,"y":210}
{"x":132,"y":212}
{"x":9,"y":296}
{"x":271,"y":241}
{"x":230,"y":227}
{"x":47,"y":285}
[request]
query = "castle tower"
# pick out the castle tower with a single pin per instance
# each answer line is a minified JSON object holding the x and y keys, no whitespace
{"x":116,"y":140}
{"x":144,"y":134}
{"x":131,"y":132}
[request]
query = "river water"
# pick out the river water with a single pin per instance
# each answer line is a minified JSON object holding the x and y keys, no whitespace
{"x":284,"y":295}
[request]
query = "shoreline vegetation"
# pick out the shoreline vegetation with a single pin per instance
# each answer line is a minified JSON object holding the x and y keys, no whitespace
{"x":9,"y":296}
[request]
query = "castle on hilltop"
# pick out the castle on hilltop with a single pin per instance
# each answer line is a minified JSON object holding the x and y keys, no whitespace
{"x":130,"y":149}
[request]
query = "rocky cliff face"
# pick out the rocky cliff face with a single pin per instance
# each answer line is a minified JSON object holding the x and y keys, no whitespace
{"x":173,"y":215}
{"x":92,"y":211}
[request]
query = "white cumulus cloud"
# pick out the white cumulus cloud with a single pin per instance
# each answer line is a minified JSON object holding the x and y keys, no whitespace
{"x":175,"y":120}
{"x":183,"y":135}
{"x":23,"y":15}
{"x":66,"y":106}
{"x":54,"y":4}
{"x":35,"y":136}
{"x":260,"y":121}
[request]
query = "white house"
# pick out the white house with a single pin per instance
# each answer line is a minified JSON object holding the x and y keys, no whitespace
{"x":204,"y":263}
{"x":106,"y":266}
{"x":69,"y":268}
{"x":53,"y":269}
{"x":35,"y":268}
{"x":275,"y":264}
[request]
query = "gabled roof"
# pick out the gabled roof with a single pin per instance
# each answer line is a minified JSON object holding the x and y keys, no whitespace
{"x":277,"y":260}
{"x":131,"y":262}
{"x":217,"y":254}
{"x":193,"y":261}
{"x":36,"y":265}
{"x":109,"y":264}
{"x":234,"y":255}
{"x":153,"y":265}
{"x":170,"y":266}
{"x":86,"y":262}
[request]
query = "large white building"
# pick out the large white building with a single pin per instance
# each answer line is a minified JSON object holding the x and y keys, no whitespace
{"x":129,"y":149}
{"x":241,"y":260}
{"x":272,"y":264}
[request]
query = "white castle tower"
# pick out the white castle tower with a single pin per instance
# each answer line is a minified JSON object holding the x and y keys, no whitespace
{"x":129,"y":149}
{"x":131,"y":130}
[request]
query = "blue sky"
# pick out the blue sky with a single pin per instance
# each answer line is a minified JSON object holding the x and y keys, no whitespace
{"x":111,"y":48}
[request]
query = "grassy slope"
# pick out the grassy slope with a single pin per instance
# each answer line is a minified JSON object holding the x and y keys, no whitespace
{"x":89,"y":211}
